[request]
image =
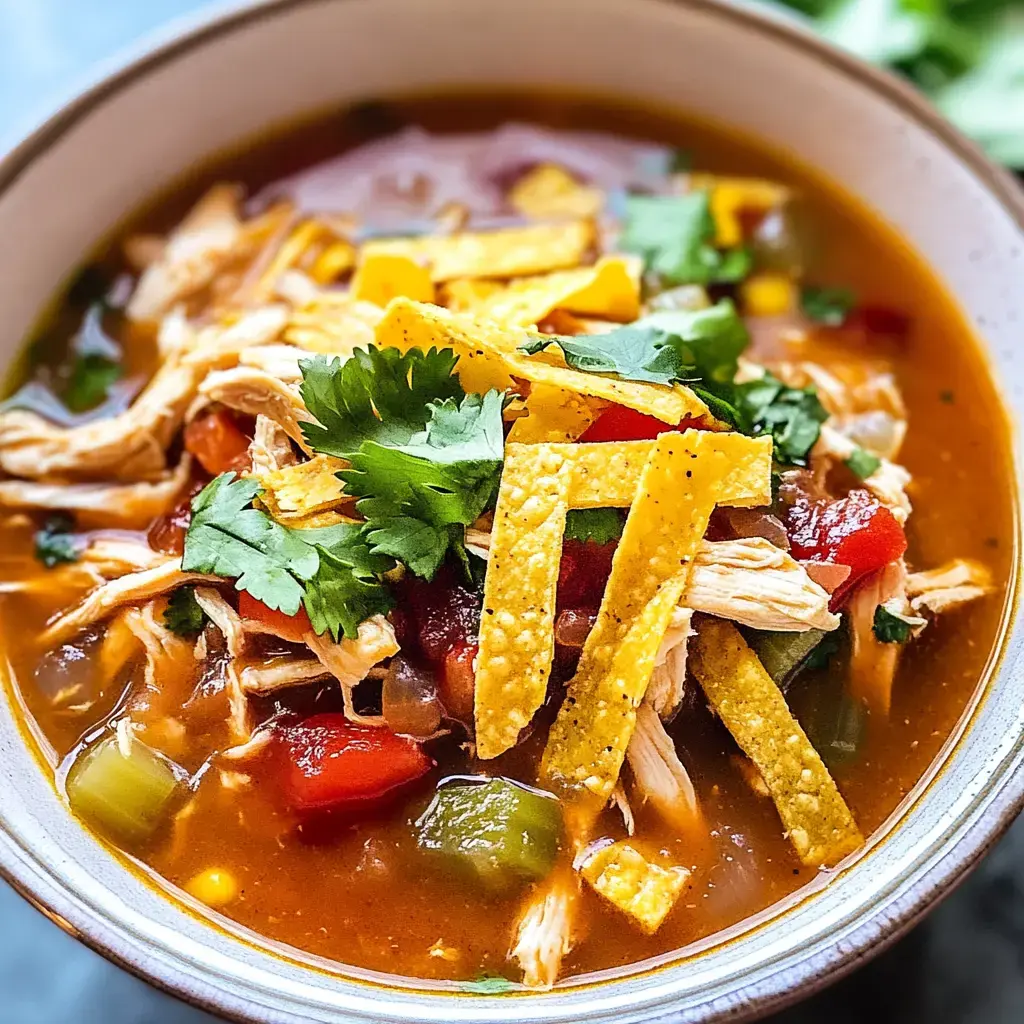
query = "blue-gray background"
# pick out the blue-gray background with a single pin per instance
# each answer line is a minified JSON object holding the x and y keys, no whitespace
{"x":963,"y":965}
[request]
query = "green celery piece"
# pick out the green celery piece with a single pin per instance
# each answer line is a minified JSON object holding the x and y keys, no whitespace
{"x":497,"y":831}
{"x":127,"y":797}
{"x":782,"y":654}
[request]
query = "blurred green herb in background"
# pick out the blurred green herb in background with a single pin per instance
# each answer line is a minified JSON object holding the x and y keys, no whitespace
{"x":967,"y":55}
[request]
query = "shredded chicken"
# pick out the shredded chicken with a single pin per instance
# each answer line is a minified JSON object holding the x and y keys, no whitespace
{"x":350,"y":660}
{"x":543,"y":934}
{"x":888,"y":483}
{"x":220,"y":346}
{"x":271,"y":449}
{"x":259,"y":394}
{"x":127,"y":447}
{"x":194,"y":252}
{"x":668,"y":680}
{"x":226,"y":619}
{"x":110,"y":555}
{"x":873,"y":663}
{"x":131,"y":505}
{"x":280,"y":361}
{"x":949,"y":586}
{"x":658,"y":774}
{"x":281,"y":673}
{"x":620,"y":801}
{"x":132,"y":588}
{"x":752,"y":582}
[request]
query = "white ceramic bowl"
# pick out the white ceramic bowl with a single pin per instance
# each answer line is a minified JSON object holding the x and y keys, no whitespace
{"x":68,"y":183}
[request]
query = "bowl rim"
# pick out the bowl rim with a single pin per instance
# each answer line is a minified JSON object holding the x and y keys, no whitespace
{"x":176,"y":38}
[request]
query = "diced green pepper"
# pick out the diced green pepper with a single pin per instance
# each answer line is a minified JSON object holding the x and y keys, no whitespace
{"x":499,"y":831}
{"x":837,"y":728}
{"x":127,"y":797}
{"x":783,"y":653}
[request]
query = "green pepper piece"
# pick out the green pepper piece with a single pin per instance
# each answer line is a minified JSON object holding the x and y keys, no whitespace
{"x":499,"y":831}
{"x":782,"y":654}
{"x":127,"y":797}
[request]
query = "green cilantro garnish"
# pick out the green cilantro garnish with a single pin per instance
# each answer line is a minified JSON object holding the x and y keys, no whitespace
{"x":665,"y":347}
{"x":829,"y":306}
{"x":183,"y":615}
{"x":675,"y":236}
{"x":55,"y":543}
{"x":487,"y":984}
{"x":893,"y":627}
{"x":601,"y":525}
{"x":90,"y":381}
{"x":824,"y":651}
{"x":862,"y":464}
{"x":424,"y":457}
{"x":331,"y":571}
{"x":701,"y":348}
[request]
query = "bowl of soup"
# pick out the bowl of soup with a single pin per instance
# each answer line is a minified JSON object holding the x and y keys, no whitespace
{"x":504,"y":512}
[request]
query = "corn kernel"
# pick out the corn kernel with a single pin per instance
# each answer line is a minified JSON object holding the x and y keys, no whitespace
{"x":731,"y":196}
{"x":337,"y":259}
{"x":215,"y":887}
{"x":768,"y":294}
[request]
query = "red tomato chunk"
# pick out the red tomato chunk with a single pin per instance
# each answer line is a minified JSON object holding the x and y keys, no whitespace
{"x":330,"y":763}
{"x":217,"y":443}
{"x":287,"y":627}
{"x":856,"y":531}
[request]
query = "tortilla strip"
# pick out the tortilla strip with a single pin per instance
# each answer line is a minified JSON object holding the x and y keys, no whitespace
{"x":624,"y":877}
{"x":552,"y":415}
{"x":745,"y":464}
{"x":549,"y":191}
{"x":816,"y":817}
{"x":510,"y":252}
{"x":679,"y":487}
{"x":488,"y":358}
{"x":304,"y":489}
{"x":609,"y":289}
{"x":517,"y":625}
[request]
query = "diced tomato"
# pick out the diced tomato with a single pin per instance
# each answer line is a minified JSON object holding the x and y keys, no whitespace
{"x":856,"y":531}
{"x":287,"y":627}
{"x":217,"y":443}
{"x":440,"y":613}
{"x":877,"y":322}
{"x":583,"y":573}
{"x":330,"y":763}
{"x":167,"y":534}
{"x":617,"y":423}
{"x":458,"y":680}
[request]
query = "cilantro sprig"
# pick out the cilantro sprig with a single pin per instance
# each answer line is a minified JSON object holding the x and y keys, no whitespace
{"x":675,"y":237}
{"x":600,"y":525}
{"x":424,"y":457}
{"x":332,"y":571}
{"x":701,"y":348}
{"x":892,"y":627}
{"x":55,"y":543}
{"x":183,"y":615}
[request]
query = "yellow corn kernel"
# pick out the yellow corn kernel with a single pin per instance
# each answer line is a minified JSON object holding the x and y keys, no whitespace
{"x":381,"y":276}
{"x":337,"y":259}
{"x":215,"y":887}
{"x":731,"y":196}
{"x":768,"y":294}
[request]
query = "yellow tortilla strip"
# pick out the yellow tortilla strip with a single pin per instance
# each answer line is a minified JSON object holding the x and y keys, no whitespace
{"x":610,"y":289}
{"x":550,"y":191}
{"x":624,"y":877}
{"x":816,"y":817}
{"x":510,"y":252}
{"x":488,"y":358}
{"x":335,"y":324}
{"x":381,"y":277}
{"x":680,"y":485}
{"x":607,"y":473}
{"x":468,"y":293}
{"x":305,"y":489}
{"x":552,"y":415}
{"x":517,"y":624}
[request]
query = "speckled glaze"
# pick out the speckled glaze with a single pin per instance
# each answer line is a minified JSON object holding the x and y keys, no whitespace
{"x":215,"y":83}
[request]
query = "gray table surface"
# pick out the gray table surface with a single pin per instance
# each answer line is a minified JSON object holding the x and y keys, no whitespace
{"x":963,"y":965}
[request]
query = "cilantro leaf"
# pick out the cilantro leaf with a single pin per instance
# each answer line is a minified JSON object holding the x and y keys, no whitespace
{"x":828,"y":306}
{"x":90,"y":381}
{"x":345,"y":589}
{"x":229,"y":538}
{"x":383,"y":395}
{"x":486,"y":984}
{"x":793,"y":416}
{"x":892,"y":627}
{"x":601,"y":525}
{"x":413,"y":495}
{"x":183,"y":615}
{"x":862,"y":463}
{"x":674,"y":235}
{"x":55,"y":543}
{"x":662,"y":348}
